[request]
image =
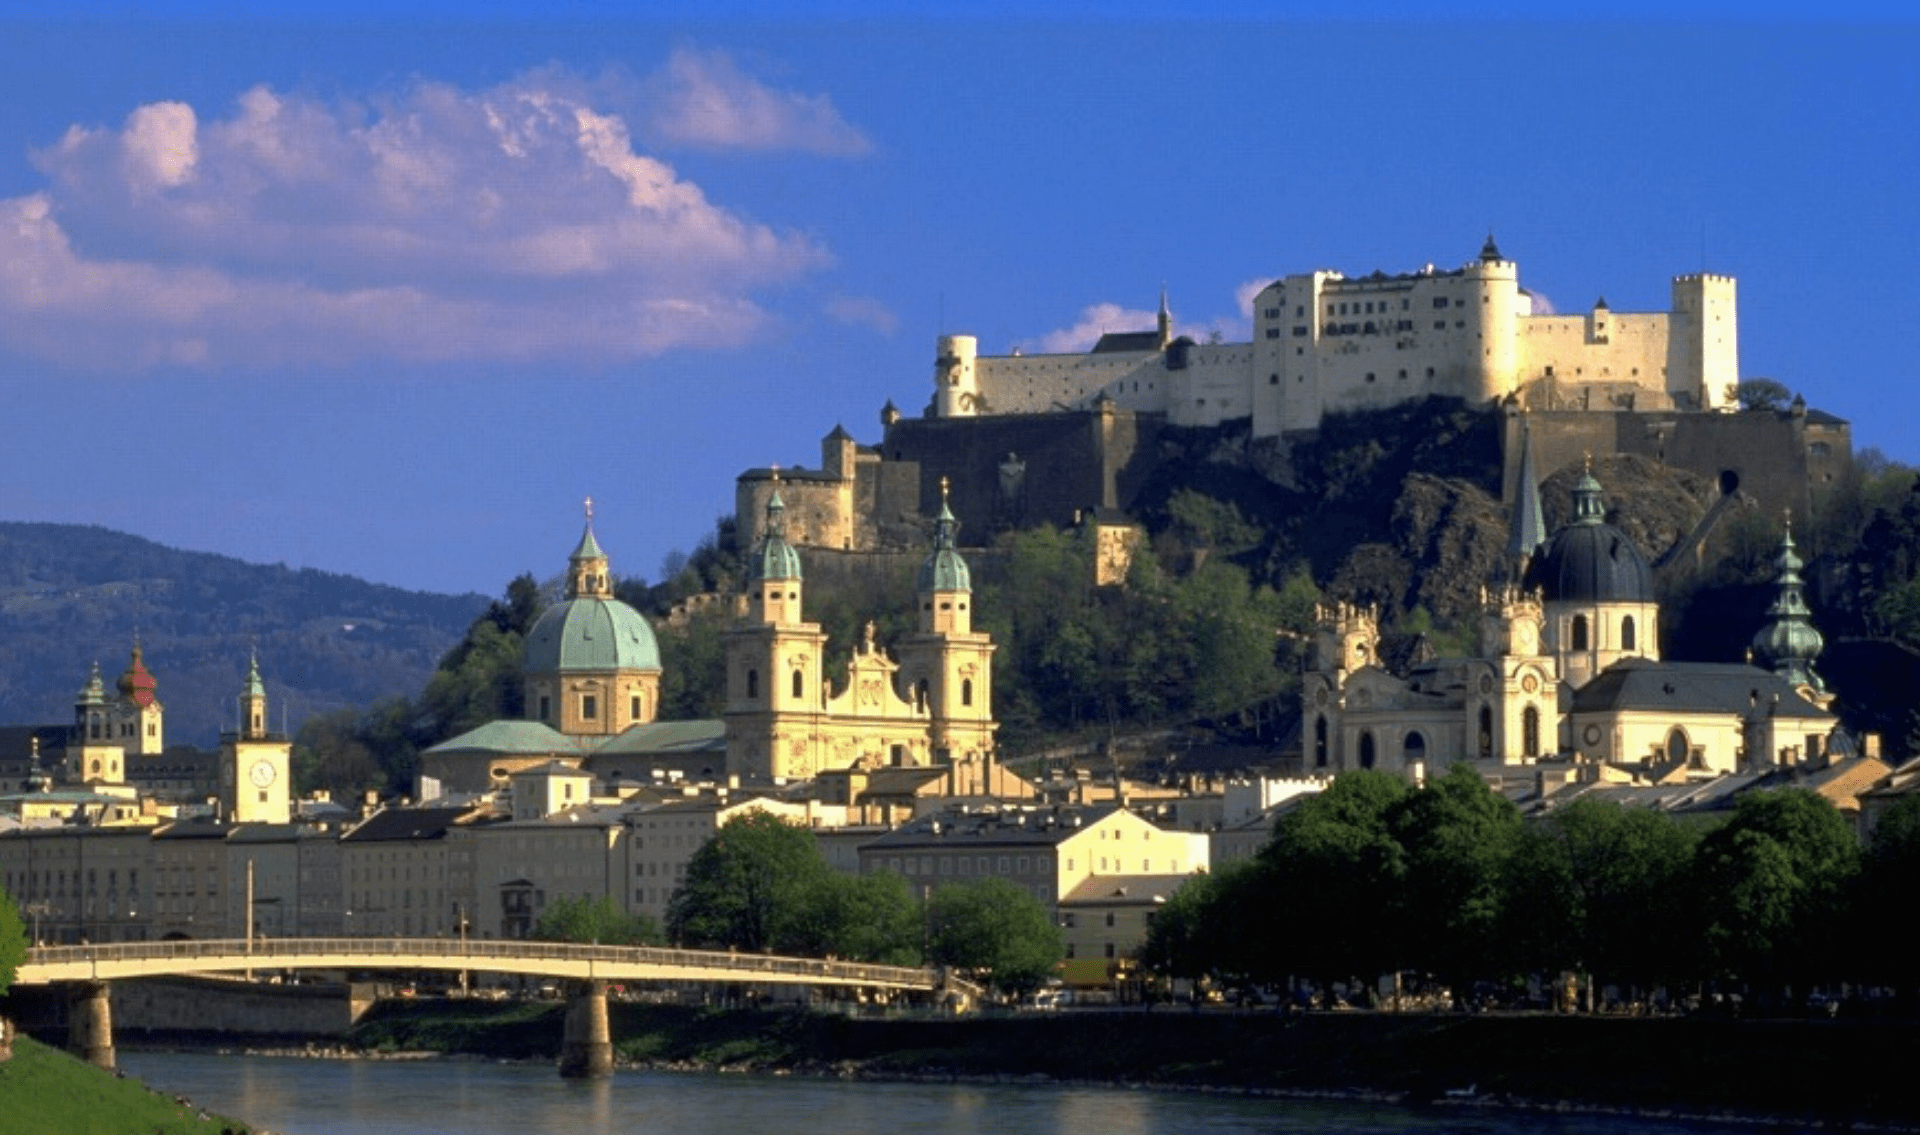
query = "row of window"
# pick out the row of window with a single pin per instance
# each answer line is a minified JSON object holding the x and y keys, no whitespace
{"x":1413,"y":746}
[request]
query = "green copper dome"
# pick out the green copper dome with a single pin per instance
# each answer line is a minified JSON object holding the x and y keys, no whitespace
{"x":945,"y":569}
{"x":774,"y":558}
{"x":591,"y":633}
{"x":590,"y":630}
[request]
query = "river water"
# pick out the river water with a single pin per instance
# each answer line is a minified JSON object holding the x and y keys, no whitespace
{"x":293,"y":1096}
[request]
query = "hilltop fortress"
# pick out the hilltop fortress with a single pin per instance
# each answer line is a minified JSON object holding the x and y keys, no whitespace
{"x":1323,"y":343}
{"x":1050,"y":439}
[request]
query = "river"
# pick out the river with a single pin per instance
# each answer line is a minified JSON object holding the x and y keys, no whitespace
{"x":294,"y":1096}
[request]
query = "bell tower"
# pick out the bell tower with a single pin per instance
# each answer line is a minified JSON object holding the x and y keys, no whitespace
{"x":256,"y":763}
{"x":946,"y":668}
{"x":776,"y":661}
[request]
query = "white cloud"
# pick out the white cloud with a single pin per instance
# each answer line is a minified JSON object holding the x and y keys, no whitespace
{"x":706,"y":100}
{"x":519,"y":223}
{"x":863,"y":311}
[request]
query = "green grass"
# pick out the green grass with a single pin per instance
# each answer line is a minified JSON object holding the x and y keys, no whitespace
{"x":44,"y":1090}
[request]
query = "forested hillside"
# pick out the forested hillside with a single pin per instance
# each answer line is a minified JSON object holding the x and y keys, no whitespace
{"x":71,"y":595}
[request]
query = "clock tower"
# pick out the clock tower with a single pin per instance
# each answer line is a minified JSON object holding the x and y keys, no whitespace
{"x":255,"y":763}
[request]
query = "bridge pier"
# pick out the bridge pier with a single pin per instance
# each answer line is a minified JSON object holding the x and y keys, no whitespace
{"x":90,"y":1023}
{"x":586,"y":1048}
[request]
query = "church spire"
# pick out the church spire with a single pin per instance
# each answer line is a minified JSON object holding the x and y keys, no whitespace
{"x":1789,"y":643}
{"x":1527,"y":528}
{"x":945,"y":581}
{"x":1165,"y":320}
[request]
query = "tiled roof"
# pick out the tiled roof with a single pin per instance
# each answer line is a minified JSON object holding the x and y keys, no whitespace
{"x":1690,"y":687}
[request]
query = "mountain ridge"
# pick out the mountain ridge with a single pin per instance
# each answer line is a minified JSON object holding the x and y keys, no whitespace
{"x":72,"y":595}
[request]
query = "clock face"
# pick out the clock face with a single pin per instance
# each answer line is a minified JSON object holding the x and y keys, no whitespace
{"x":262,"y":773}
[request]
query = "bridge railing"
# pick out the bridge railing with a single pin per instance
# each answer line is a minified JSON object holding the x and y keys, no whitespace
{"x":474,"y":953}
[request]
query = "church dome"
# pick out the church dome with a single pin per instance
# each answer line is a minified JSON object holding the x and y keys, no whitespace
{"x":590,"y":630}
{"x":1589,"y":560}
{"x":591,"y":633}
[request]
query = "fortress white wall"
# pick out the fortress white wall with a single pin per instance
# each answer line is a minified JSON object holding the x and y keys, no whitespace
{"x":1323,"y":343}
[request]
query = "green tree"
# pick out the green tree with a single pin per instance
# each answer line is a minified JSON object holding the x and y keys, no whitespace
{"x":1884,"y":894}
{"x":1458,"y":837}
{"x":1601,"y":888}
{"x":1342,"y":871}
{"x":748,"y":887}
{"x":862,"y":918}
{"x":1761,"y":394}
{"x":13,"y":941}
{"x":995,"y":928}
{"x":1218,"y":926}
{"x":595,"y":920}
{"x":1771,"y":884}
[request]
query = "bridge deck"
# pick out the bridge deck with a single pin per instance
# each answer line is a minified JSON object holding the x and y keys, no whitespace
{"x":49,"y":964}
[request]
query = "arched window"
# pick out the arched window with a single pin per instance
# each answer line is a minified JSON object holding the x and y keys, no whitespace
{"x":635,"y":707}
{"x":1366,"y":749}
{"x":966,"y":691}
{"x":1486,"y":732}
{"x":799,"y":683}
{"x":1530,"y":731}
{"x":1320,"y":742}
{"x":1628,"y":639}
{"x":753,"y":683}
{"x":1414,"y":748}
{"x":1677,"y":747}
{"x":1579,"y":636}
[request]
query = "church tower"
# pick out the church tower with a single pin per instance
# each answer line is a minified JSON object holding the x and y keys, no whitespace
{"x":776,"y":692}
{"x":256,"y":763}
{"x":96,"y":757}
{"x":945,"y":667}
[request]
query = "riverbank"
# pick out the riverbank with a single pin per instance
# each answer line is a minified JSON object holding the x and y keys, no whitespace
{"x":1802,"y":1073}
{"x":45,"y":1090}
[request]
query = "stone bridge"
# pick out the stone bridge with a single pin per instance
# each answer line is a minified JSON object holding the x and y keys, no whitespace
{"x":85,"y":972}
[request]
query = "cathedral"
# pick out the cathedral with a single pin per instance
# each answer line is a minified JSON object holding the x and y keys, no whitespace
{"x":592,"y":679}
{"x":1568,"y":672}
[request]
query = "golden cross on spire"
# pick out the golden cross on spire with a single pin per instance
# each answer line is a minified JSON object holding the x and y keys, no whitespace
{"x":589,"y":506}
{"x":943,"y":490}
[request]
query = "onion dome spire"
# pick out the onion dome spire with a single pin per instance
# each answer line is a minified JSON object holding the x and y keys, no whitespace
{"x":256,"y":688}
{"x":774,"y":558}
{"x":136,"y":683}
{"x":1789,"y":643}
{"x":95,"y":691}
{"x":945,"y":569}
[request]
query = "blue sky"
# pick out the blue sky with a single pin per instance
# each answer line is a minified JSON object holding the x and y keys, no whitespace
{"x":389,"y":294}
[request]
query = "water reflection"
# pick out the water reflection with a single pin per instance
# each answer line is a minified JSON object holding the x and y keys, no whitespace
{"x":355,"y":1097}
